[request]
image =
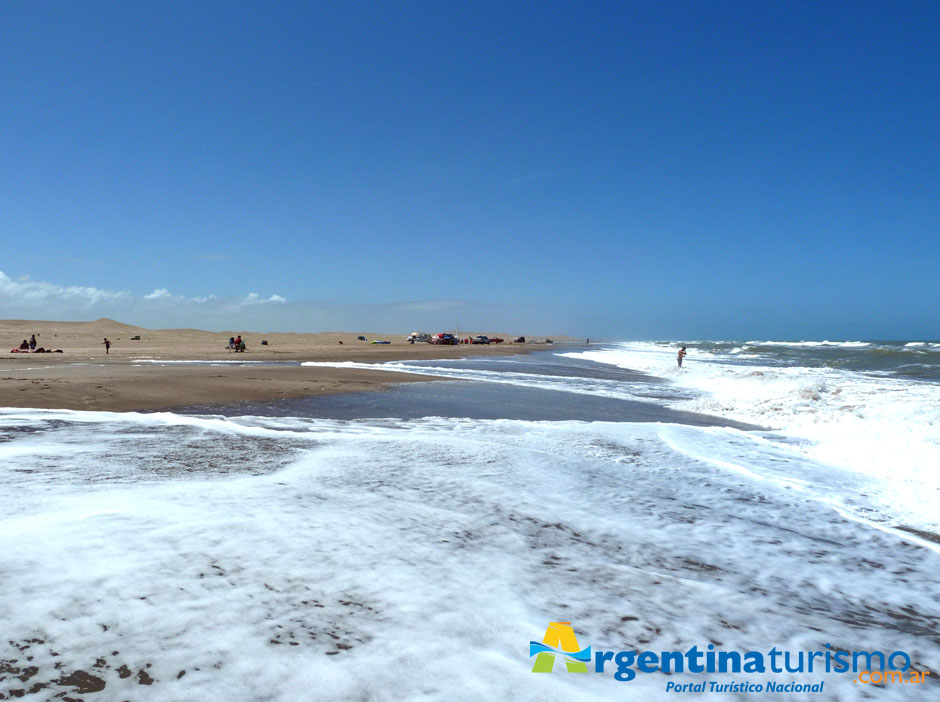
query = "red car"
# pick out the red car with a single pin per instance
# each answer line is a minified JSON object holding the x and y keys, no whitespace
{"x":445,"y":339}
{"x":495,"y":340}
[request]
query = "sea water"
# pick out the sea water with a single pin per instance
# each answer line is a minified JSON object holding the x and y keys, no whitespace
{"x":868,"y":407}
{"x":409,"y":544}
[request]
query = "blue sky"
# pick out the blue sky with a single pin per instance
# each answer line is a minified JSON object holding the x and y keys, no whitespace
{"x":622,"y":170}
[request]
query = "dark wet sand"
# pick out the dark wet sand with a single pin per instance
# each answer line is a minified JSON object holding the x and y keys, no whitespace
{"x":471,"y":399}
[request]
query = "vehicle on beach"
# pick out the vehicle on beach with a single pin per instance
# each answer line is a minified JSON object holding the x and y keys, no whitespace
{"x":444,"y":339}
{"x":480,"y":340}
{"x":496,"y":340}
{"x":419,"y":337}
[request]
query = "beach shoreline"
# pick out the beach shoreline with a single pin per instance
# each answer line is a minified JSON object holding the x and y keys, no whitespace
{"x":168,"y":369}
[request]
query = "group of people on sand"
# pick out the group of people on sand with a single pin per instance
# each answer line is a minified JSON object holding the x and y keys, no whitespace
{"x":32,"y":347}
{"x":235,"y":343}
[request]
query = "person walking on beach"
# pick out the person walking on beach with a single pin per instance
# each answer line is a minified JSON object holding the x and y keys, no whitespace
{"x":107,"y":346}
{"x":682,"y":355}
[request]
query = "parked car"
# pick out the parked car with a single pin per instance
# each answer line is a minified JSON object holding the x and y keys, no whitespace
{"x":444,"y":339}
{"x":419,"y":337}
{"x":496,"y":340}
{"x":480,"y":339}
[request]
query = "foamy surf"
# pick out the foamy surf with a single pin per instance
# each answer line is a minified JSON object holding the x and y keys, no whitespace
{"x":879,"y":422}
{"x":621,"y":389}
{"x":882,"y":423}
{"x":288,"y":558}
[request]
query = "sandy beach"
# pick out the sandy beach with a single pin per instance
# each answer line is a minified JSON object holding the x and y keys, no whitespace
{"x":84,"y":377}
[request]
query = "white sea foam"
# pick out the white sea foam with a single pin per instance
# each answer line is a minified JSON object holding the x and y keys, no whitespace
{"x":163,"y":362}
{"x":884,"y":426}
{"x":922,"y":344}
{"x":598,"y":387}
{"x":425,"y":555}
{"x":865,"y":422}
{"x":796,"y":344}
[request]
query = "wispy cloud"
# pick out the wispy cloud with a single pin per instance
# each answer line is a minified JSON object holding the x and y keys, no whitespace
{"x":24,"y":298}
{"x":256,"y":299}
{"x":228,"y":303}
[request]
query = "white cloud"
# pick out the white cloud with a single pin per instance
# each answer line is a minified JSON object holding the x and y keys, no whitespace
{"x":25,"y":298}
{"x":158,"y":294}
{"x":225,"y":302}
{"x":256,"y":299}
{"x":26,"y":292}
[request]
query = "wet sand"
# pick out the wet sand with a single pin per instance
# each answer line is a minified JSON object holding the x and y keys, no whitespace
{"x":472,"y":399}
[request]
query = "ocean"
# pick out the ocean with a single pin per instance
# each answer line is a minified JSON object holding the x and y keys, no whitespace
{"x":411,"y":543}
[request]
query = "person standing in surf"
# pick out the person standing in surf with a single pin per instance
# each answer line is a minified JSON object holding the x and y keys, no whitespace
{"x":682,"y":355}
